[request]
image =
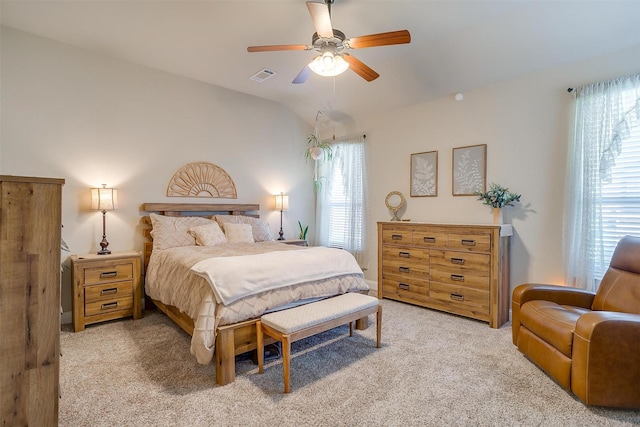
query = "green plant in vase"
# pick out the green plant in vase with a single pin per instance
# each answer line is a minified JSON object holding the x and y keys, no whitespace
{"x":498,"y":197}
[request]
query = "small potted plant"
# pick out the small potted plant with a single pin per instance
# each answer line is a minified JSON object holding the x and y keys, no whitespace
{"x":303,"y":231}
{"x":498,"y":197}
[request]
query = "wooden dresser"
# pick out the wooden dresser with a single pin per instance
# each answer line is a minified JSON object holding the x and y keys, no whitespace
{"x":105,"y":287}
{"x":30,"y":224}
{"x":461,"y":269}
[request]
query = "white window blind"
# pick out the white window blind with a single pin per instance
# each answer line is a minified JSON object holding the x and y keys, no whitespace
{"x":620,"y":201}
{"x":341,"y":209}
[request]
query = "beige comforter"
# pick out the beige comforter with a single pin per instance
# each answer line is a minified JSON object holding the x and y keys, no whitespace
{"x":170,"y":281}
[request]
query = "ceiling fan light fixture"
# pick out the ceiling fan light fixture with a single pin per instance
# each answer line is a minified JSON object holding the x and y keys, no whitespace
{"x":328,"y":65}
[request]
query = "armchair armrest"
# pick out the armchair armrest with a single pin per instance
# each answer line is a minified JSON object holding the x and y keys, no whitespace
{"x":562,"y":295}
{"x":604,"y":368}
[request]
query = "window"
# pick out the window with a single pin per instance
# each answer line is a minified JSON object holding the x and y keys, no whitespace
{"x":620,"y":200}
{"x":341,"y":209}
{"x":603,"y":178}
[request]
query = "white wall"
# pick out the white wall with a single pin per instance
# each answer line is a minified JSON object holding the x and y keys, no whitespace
{"x":525,"y":123}
{"x":91,"y":120}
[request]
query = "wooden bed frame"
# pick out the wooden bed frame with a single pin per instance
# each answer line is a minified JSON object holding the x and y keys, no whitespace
{"x":231,"y":340}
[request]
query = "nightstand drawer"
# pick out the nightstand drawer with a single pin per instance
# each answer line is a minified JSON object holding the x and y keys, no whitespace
{"x":108,"y":291}
{"x":108,"y":273}
{"x":107,"y":306}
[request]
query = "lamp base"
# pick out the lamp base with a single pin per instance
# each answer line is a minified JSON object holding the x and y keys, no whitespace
{"x":104,"y":244}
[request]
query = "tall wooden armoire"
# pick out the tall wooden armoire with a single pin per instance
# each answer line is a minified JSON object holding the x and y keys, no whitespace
{"x":30,"y":233}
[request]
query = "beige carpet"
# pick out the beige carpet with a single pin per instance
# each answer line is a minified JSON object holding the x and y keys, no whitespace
{"x":434,"y":369}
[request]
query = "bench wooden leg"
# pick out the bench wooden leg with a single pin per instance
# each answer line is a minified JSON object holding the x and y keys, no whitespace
{"x":286,"y":361}
{"x":260,"y":347}
{"x":378,"y":326}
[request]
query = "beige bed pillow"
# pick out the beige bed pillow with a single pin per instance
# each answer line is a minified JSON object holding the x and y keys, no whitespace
{"x":259,"y":228}
{"x":208,"y":234}
{"x":238,"y":233}
{"x":169,"y":232}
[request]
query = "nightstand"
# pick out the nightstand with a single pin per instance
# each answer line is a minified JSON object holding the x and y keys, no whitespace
{"x":298,"y":242}
{"x":105,"y":287}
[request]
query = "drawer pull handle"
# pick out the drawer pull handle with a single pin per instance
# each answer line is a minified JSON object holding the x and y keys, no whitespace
{"x":429,"y":239}
{"x":396,"y":237}
{"x":457,"y":277}
{"x":110,"y":291}
{"x":108,"y":274}
{"x":468,"y":242}
{"x":404,"y":269}
{"x":404,"y":254}
{"x":403,"y":286}
{"x":109,"y":305}
{"x":457,"y":297}
{"x":459,"y":261}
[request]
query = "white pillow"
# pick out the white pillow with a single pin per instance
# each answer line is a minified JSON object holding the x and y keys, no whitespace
{"x":208,"y":235}
{"x":259,"y":228}
{"x":171,"y":231}
{"x":238,"y":233}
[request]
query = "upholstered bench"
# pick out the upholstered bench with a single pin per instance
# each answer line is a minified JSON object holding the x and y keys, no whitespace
{"x":306,"y":320}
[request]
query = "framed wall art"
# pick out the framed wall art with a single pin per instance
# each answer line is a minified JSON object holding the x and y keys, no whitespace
{"x":424,"y":174}
{"x":469,"y":172}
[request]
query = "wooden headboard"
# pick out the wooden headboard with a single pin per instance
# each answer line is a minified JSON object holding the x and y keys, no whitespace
{"x":189,"y":209}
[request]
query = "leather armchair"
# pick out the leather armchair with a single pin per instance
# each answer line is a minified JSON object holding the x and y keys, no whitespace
{"x":588,"y":342}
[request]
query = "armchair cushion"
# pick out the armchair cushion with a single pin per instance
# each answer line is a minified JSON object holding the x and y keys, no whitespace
{"x":552,"y":322}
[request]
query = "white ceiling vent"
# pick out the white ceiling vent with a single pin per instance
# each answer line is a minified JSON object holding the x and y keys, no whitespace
{"x":262,"y":75}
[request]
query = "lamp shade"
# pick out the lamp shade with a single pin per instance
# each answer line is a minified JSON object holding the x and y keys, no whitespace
{"x":328,"y":65}
{"x":104,"y":199}
{"x":282,"y":202}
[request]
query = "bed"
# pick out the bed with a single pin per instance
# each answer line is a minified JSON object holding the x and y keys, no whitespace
{"x":186,"y":265}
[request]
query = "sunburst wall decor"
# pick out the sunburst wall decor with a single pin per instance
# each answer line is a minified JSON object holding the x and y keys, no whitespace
{"x":202,"y":179}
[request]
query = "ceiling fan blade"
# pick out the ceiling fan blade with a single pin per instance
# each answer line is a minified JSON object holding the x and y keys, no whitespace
{"x":321,"y":18}
{"x":271,"y":48}
{"x":360,"y":68}
{"x":380,"y":39}
{"x":302,"y":76}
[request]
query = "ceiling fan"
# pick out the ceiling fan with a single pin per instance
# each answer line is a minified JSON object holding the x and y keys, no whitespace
{"x":331,"y":43}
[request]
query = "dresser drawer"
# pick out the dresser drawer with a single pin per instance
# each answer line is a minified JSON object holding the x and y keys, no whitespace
{"x":405,"y":288}
{"x":108,"y":291}
{"x":459,"y":261}
{"x":108,"y":306}
{"x":108,"y":273}
{"x":470,"y":279}
{"x":396,"y":237}
{"x":429,"y":239}
{"x":468,"y":299}
{"x":469,"y":242}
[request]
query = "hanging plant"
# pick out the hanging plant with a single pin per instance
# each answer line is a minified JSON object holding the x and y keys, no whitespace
{"x":317,"y":150}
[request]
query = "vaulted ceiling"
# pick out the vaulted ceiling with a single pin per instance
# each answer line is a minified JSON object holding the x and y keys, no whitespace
{"x":455,"y":45}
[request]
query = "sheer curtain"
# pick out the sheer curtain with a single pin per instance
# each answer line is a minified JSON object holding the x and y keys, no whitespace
{"x":606,"y":114}
{"x":341,"y":215}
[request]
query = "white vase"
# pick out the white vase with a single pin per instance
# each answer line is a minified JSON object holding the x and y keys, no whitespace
{"x":497,"y":216}
{"x":315,"y":152}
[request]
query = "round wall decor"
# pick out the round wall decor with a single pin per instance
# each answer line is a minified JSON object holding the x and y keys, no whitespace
{"x":202,"y":179}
